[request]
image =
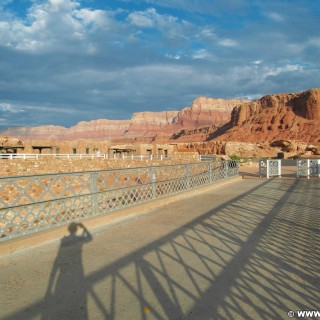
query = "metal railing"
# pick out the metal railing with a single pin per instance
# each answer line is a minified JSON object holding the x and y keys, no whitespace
{"x":269,"y":168}
{"x":308,"y":168}
{"x":304,"y":167}
{"x":34,"y":203}
{"x":13,"y":156}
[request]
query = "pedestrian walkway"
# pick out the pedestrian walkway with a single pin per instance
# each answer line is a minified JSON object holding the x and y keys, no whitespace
{"x":246,"y":249}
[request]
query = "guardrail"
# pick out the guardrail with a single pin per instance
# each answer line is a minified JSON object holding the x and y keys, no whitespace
{"x":34,"y":203}
{"x":308,"y":168}
{"x":305,"y":167}
{"x":269,"y":168}
{"x":13,"y":156}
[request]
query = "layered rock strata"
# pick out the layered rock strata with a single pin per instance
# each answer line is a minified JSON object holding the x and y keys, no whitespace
{"x":294,"y":116}
{"x":204,"y":111}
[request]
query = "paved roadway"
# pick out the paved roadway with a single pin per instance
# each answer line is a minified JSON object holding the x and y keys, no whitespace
{"x":247,"y":249}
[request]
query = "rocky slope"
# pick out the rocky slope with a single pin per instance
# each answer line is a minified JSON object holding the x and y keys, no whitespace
{"x":204,"y":111}
{"x":294,"y":116}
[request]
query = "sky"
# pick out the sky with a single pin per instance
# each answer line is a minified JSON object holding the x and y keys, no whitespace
{"x":65,"y":61}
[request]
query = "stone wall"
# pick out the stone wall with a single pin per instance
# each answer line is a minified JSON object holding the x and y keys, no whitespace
{"x":44,"y":165}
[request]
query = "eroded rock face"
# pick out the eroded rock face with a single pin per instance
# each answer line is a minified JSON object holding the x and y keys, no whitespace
{"x":276,"y":117}
{"x":204,"y":111}
{"x":149,"y":124}
{"x":10,"y":141}
{"x":102,"y":128}
{"x":230,"y":148}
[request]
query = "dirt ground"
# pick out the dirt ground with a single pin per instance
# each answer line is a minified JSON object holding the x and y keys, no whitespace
{"x":246,"y":249}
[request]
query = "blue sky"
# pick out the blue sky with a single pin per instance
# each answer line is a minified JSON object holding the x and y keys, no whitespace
{"x":65,"y":61}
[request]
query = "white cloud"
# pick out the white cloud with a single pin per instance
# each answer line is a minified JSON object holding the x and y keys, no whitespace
{"x":275,"y":16}
{"x":168,"y":25}
{"x":202,"y":54}
{"x":53,"y":25}
{"x":314,"y":42}
{"x":228,"y":43}
{"x":275,"y":71}
{"x":144,"y":19}
{"x":8,"y":107}
{"x":208,"y":33}
{"x":171,"y":56}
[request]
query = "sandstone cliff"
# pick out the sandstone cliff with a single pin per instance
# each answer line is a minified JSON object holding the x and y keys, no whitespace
{"x":149,"y":124}
{"x":97,"y":129}
{"x":293,"y":116}
{"x":204,"y":111}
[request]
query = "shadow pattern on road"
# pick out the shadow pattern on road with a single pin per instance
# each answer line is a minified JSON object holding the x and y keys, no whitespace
{"x":254,"y":257}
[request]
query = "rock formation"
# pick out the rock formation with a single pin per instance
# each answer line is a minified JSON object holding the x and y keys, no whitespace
{"x":10,"y":141}
{"x":294,"y":116}
{"x":204,"y":111}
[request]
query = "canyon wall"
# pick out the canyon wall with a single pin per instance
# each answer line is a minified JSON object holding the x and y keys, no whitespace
{"x":294,"y":116}
{"x":204,"y":111}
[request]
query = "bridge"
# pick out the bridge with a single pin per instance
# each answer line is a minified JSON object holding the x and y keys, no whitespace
{"x":239,"y":248}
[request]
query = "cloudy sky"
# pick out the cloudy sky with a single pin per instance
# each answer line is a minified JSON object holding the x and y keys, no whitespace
{"x":64,"y":61}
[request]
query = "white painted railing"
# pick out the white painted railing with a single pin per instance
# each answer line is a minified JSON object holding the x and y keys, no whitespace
{"x":270,"y":168}
{"x":308,"y":168}
{"x":13,"y":156}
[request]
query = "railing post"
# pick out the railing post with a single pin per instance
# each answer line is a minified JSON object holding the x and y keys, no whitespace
{"x":188,"y":176}
{"x":210,"y":172}
{"x":153,"y":182}
{"x":94,"y":188}
{"x":279,"y":167}
{"x":226,"y":168}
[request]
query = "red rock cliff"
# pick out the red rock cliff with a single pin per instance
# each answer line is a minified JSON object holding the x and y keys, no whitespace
{"x":204,"y":111}
{"x":293,"y":116}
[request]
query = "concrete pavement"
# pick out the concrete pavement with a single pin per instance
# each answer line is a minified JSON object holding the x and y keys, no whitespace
{"x":248,"y":249}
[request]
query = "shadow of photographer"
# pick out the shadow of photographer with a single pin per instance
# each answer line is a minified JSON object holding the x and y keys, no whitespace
{"x":66,"y":295}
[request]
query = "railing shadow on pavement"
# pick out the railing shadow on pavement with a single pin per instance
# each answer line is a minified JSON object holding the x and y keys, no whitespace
{"x":253,"y":257}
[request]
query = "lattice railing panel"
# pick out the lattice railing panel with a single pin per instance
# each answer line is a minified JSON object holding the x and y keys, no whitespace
{"x":35,"y":203}
{"x":274,"y":167}
{"x":26,"y":219}
{"x":308,"y":167}
{"x":31,"y":189}
{"x":269,"y":168}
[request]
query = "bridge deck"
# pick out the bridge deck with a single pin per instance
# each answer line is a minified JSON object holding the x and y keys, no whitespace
{"x":248,"y":249}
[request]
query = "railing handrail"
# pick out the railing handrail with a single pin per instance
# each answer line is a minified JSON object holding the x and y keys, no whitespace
{"x":12,"y":156}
